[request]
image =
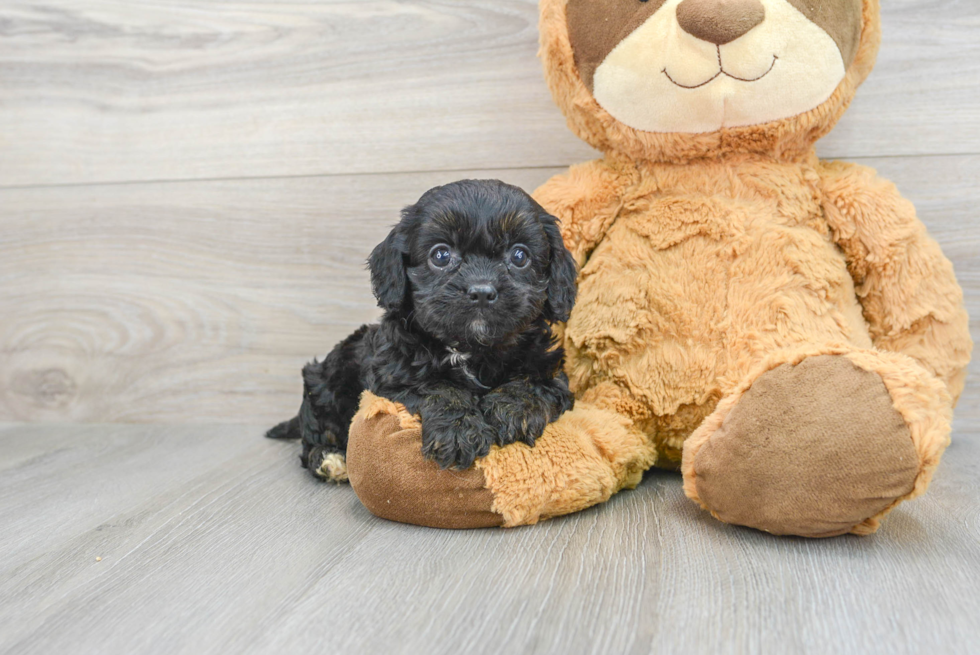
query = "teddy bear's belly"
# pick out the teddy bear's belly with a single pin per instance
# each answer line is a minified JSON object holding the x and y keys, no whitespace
{"x":668,"y":321}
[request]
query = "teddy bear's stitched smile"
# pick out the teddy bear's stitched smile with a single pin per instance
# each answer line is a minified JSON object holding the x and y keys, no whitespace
{"x":721,"y":71}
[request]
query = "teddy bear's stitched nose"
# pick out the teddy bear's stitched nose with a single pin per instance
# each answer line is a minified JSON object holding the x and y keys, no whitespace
{"x":719,"y":21}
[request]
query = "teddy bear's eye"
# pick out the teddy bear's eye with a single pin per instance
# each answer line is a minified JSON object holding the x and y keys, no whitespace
{"x":440,"y":256}
{"x":520,"y":257}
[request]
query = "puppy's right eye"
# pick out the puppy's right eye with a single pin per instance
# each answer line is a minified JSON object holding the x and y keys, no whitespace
{"x":440,"y":256}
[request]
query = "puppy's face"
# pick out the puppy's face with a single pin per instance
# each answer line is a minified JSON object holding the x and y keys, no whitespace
{"x":474,"y":263}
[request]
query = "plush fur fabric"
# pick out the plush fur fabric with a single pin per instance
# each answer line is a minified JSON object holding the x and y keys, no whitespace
{"x":718,"y":268}
{"x":788,"y":139}
{"x":584,"y":458}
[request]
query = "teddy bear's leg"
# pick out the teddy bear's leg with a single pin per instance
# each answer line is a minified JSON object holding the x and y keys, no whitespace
{"x":582,"y":459}
{"x":819,"y":442}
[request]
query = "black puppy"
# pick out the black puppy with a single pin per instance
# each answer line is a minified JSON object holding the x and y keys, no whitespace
{"x":469,"y":280}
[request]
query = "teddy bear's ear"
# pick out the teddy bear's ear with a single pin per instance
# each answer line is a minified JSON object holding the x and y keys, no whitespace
{"x":561,"y":274}
{"x":389,"y":280}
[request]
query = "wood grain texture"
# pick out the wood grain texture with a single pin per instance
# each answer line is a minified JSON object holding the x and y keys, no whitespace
{"x":213,"y":540}
{"x":109,"y":90}
{"x":200,"y":301}
{"x":291,"y":134}
{"x":187,"y":301}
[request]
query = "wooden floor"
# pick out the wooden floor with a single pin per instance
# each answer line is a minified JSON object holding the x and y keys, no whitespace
{"x":188,"y":191}
{"x":213,"y":540}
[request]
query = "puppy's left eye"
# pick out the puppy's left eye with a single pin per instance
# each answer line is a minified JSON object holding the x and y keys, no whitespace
{"x":440,"y":256}
{"x":520,"y":257}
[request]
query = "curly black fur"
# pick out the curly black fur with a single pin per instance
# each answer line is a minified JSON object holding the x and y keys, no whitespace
{"x":465,"y":340}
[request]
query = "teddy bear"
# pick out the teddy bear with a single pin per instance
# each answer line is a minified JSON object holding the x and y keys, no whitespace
{"x":780,"y":329}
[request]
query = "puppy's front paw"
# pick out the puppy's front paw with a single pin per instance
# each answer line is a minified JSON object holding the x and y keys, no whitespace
{"x":326,"y":464}
{"x":514,"y":416}
{"x":456,"y":439}
{"x":521,"y":410}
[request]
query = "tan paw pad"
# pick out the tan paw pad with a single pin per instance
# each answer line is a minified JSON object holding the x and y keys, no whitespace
{"x":813,"y":450}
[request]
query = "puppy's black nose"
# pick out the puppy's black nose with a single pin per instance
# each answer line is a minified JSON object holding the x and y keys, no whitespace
{"x":482,"y":295}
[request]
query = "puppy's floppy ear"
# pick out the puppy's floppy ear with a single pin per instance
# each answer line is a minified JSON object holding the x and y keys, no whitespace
{"x":387,"y":265}
{"x":561,"y":274}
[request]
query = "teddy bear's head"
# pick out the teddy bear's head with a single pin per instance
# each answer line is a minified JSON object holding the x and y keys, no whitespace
{"x":681,"y":79}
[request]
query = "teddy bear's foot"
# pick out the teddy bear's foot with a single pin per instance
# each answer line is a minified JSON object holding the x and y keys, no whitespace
{"x":820,"y":446}
{"x":582,"y":459}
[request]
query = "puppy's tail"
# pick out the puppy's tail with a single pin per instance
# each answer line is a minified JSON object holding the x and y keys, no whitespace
{"x":285,"y":430}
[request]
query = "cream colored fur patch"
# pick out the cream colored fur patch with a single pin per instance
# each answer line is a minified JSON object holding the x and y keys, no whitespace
{"x":662,"y":79}
{"x":333,"y":467}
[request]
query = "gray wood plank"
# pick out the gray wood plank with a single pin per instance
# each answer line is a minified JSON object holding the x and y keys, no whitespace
{"x":157,"y":460}
{"x":187,"y":301}
{"x":253,"y":556}
{"x":119,"y":91}
{"x":200,"y":301}
{"x":140,"y":510}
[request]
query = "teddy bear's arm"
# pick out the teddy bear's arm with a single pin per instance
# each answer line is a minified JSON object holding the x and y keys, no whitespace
{"x":586,"y":199}
{"x":905,"y":284}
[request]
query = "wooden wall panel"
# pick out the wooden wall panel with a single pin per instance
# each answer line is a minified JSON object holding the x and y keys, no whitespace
{"x":114,"y":90}
{"x":188,"y":189}
{"x":193,"y":301}
{"x":200,"y":301}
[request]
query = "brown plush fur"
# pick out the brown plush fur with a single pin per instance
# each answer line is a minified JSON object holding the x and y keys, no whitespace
{"x":395,"y":481}
{"x":708,"y":260}
{"x":584,"y":458}
{"x":790,"y":139}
